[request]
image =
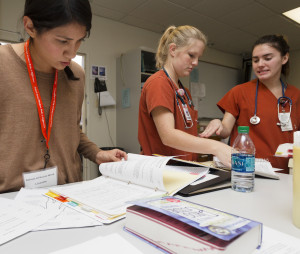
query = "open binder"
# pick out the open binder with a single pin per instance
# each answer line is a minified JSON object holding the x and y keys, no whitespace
{"x":215,"y":179}
{"x":105,"y":198}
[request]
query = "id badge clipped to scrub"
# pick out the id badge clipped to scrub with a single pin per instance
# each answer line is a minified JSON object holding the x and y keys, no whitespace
{"x":285,"y":120}
{"x":284,"y":115}
{"x":186,"y":113}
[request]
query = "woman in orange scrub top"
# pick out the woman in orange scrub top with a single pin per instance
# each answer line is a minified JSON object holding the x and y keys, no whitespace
{"x":167,"y":118}
{"x":268,"y":104}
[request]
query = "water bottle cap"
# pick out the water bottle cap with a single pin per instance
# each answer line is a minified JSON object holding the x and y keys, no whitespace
{"x":243,"y":129}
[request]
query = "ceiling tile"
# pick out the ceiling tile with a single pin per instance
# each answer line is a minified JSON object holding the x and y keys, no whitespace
{"x":124,"y":6}
{"x":231,"y":25}
{"x":151,"y":26}
{"x":186,"y":3}
{"x":219,"y":8}
{"x":277,"y":25}
{"x":246,"y":15}
{"x":207,"y":25}
{"x":235,"y":41}
{"x":106,"y":13}
{"x":280,"y":6}
{"x":158,"y":10}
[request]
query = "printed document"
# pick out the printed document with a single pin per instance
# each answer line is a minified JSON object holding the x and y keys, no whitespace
{"x":68,"y":218}
{"x":276,"y":242}
{"x":138,"y":177}
{"x":17,"y":218}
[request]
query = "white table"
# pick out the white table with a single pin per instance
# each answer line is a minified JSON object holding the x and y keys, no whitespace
{"x":270,"y":203}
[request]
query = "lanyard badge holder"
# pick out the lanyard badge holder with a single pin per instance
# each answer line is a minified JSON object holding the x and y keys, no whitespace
{"x":39,"y":103}
{"x":186,"y":116}
{"x":283,"y":116}
{"x":187,"y":119}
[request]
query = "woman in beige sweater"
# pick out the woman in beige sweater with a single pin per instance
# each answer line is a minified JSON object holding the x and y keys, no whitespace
{"x":41,"y":96}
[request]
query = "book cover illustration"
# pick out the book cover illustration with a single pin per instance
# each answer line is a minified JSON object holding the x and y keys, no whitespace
{"x":209,"y":241}
{"x":220,"y":224}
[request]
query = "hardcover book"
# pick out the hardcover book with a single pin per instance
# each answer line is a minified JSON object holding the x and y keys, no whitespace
{"x":175,"y":225}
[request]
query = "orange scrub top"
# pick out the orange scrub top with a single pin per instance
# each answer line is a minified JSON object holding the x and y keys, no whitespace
{"x":159,"y":91}
{"x":267,"y":135}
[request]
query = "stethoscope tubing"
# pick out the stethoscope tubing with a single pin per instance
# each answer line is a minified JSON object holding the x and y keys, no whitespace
{"x":178,"y":96}
{"x":182,"y":87}
{"x":278,"y":101}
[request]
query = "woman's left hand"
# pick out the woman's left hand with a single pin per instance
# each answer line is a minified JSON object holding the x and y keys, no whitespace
{"x":214,"y":126}
{"x":110,"y":156}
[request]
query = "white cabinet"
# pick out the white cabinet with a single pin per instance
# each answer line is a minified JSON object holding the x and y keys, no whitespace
{"x":133,"y":68}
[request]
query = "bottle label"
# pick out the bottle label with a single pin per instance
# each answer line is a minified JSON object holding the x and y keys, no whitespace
{"x":243,"y":162}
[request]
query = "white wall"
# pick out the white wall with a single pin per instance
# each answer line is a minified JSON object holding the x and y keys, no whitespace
{"x":107,"y":42}
{"x":218,"y":80}
{"x":10,"y":13}
{"x":294,"y":77}
{"x":217,"y":57}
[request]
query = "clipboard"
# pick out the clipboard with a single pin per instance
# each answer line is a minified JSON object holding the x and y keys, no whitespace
{"x":221,"y":179}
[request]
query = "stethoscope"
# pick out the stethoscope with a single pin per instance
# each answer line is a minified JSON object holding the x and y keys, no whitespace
{"x":283,"y":119}
{"x":179,"y":93}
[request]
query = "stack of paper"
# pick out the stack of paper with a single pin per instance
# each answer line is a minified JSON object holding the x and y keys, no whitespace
{"x":262,"y":167}
{"x":17,"y":218}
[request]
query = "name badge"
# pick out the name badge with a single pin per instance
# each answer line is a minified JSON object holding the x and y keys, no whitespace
{"x":40,"y":178}
{"x":285,"y":118}
{"x":186,"y":112}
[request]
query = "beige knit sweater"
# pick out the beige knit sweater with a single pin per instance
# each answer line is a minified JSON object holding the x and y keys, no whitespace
{"x":21,"y":149}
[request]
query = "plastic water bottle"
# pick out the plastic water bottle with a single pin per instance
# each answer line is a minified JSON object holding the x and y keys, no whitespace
{"x":243,"y":161}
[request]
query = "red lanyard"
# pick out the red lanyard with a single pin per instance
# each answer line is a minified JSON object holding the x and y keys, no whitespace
{"x":38,"y":98}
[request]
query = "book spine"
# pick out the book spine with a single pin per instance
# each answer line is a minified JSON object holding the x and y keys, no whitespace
{"x":166,"y":222}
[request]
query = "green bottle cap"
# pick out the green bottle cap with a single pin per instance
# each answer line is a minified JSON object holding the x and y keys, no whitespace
{"x":243,"y":129}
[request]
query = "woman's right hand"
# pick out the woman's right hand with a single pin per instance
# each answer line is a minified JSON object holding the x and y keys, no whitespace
{"x":214,"y":126}
{"x":223,"y":153}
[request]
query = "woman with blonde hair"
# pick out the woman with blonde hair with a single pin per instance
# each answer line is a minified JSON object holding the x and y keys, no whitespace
{"x":167,"y":118}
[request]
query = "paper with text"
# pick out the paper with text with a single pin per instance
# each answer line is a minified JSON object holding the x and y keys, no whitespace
{"x":276,"y":242}
{"x":17,"y":218}
{"x":139,"y":177}
{"x":40,"y":178}
{"x":138,"y":169}
{"x":68,"y":218}
{"x":106,"y":194}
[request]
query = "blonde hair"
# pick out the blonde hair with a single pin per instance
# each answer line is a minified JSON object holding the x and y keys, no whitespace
{"x":181,"y":36}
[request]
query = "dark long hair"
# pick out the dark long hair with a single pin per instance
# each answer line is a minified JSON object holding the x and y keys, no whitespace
{"x":49,"y":14}
{"x":279,"y":43}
